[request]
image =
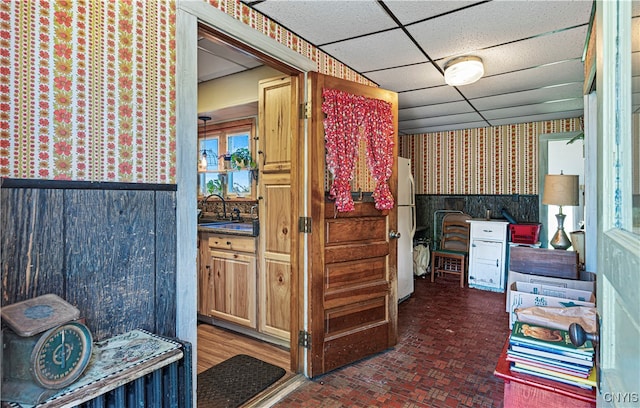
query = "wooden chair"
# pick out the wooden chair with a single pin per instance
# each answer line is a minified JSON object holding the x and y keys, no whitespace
{"x":452,"y":255}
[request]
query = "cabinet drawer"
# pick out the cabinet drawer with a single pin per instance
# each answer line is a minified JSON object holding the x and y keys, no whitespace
{"x":488,"y":230}
{"x":233,"y":243}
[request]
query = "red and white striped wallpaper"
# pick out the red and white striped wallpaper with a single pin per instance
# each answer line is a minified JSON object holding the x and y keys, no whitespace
{"x":490,"y":160}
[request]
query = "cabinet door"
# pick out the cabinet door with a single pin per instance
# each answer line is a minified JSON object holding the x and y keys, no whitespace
{"x":278,"y":114}
{"x":205,"y":281}
{"x":486,"y":264}
{"x":234,"y":287}
{"x":275,"y":260}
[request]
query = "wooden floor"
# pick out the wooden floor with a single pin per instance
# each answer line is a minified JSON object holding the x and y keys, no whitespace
{"x":216,"y":345}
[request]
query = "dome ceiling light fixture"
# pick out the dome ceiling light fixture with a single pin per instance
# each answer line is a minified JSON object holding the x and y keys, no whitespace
{"x":463,"y":70}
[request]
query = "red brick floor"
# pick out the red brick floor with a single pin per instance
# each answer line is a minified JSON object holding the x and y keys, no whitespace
{"x":448,"y":345}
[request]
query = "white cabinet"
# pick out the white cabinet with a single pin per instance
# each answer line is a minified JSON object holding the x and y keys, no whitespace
{"x":488,"y":254}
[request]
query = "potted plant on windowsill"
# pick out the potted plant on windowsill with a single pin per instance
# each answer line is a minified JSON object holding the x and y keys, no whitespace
{"x":241,"y":159}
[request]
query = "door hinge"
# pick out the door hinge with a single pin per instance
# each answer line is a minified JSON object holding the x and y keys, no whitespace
{"x":305,"y":110}
{"x":304,"y":339}
{"x":304,"y":225}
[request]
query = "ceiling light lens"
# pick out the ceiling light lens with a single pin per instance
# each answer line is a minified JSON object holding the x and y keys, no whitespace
{"x":463,"y":71}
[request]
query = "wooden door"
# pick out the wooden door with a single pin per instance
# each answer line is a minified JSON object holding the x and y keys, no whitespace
{"x":277,"y":199}
{"x":352,"y":308}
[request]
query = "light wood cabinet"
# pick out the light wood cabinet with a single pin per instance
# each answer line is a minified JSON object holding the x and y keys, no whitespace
{"x":228,"y":278}
{"x":205,"y":277}
{"x":275,"y":260}
{"x":234,"y":287}
{"x":276,"y":118}
{"x":278,"y":111}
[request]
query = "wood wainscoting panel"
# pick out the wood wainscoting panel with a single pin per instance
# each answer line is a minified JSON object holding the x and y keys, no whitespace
{"x":32,"y":240}
{"x":107,"y":248}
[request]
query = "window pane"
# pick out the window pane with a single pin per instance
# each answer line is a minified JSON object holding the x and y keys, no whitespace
{"x":239,"y":183}
{"x":237,"y":140}
{"x":209,"y":147}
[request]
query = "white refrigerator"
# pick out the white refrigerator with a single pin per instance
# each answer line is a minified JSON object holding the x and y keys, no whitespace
{"x":406,"y":227}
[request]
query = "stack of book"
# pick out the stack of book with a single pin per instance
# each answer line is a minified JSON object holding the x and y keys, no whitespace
{"x":548,"y":353}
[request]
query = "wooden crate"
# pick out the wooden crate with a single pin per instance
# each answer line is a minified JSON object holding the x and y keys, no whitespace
{"x":545,"y":262}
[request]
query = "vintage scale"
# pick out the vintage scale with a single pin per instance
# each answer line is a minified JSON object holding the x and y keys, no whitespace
{"x":43,"y":348}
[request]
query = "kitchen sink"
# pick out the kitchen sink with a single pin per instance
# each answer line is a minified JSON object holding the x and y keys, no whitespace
{"x":233,"y":227}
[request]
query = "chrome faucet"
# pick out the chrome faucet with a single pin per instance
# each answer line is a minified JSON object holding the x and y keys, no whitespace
{"x":252,"y":210}
{"x":224,"y":203}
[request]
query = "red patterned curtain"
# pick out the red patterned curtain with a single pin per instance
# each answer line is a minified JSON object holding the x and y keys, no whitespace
{"x":341,"y":128}
{"x":379,"y":134}
{"x":349,"y":117}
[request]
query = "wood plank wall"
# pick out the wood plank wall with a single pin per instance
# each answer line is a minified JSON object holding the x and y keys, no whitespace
{"x":107,"y":248}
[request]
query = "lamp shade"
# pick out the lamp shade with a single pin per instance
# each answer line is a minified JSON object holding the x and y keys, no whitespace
{"x":463,"y":70}
{"x":561,"y":189}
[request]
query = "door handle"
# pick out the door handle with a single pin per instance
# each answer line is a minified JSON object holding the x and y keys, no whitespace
{"x":394,"y":235}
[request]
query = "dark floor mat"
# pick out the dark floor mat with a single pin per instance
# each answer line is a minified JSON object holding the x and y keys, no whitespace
{"x":235,"y":381}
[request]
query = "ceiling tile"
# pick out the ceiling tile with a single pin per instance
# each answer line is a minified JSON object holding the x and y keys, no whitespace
{"x":447,"y":127}
{"x":376,"y":51}
{"x":211,"y":67}
{"x":552,"y":93}
{"x":321,"y":22}
{"x":411,"y":11}
{"x":537,"y":118}
{"x":437,"y":94}
{"x":442,"y":120}
{"x":228,"y":53}
{"x":441,"y":109}
{"x":407,"y":78}
{"x":534,"y":109}
{"x":533,"y":52}
{"x":532,"y":78}
{"x":494,"y":23}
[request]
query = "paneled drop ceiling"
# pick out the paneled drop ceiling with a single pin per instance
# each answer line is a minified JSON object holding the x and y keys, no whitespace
{"x":532,"y":53}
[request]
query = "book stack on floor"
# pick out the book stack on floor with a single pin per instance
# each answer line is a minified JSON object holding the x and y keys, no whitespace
{"x":548,"y":353}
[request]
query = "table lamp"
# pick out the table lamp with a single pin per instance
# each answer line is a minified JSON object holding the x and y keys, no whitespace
{"x":560,"y":189}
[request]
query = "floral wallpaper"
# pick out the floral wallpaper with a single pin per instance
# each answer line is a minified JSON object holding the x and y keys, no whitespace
{"x":87,"y":90}
{"x":88,"y":93}
{"x":88,"y":86}
{"x":490,"y":160}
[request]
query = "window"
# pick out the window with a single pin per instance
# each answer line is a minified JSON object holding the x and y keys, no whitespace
{"x":218,"y":144}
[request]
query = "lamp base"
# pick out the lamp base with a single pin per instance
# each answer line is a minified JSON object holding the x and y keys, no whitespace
{"x":560,"y":239}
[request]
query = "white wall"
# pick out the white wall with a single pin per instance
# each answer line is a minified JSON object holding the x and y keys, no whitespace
{"x":569,"y":159}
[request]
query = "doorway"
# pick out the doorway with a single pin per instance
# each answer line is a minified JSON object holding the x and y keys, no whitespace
{"x":228,"y":93}
{"x":560,"y":152}
{"x":188,"y":17}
